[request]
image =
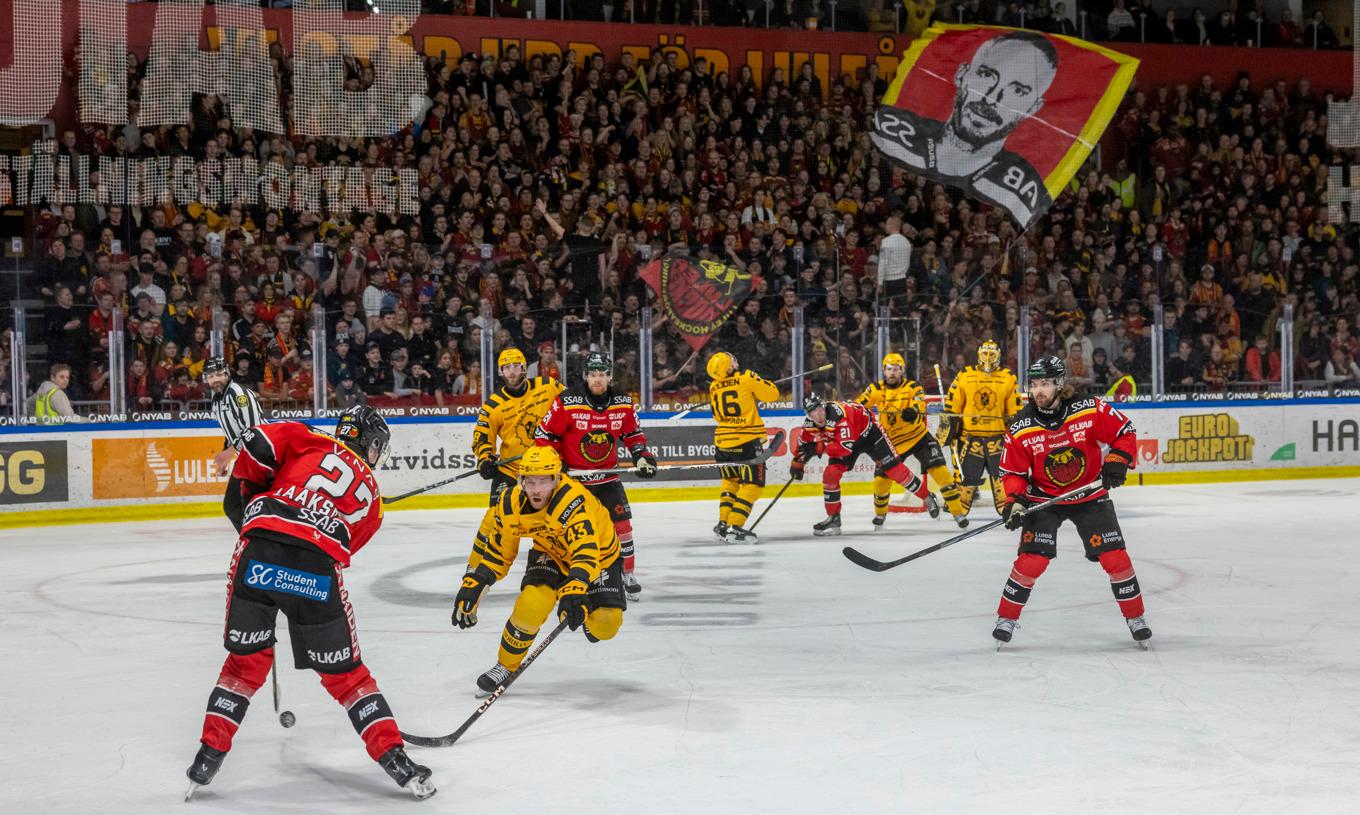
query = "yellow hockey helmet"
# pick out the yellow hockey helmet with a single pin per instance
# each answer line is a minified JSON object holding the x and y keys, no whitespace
{"x":989,"y":356}
{"x":539,"y":460}
{"x":894,"y":359}
{"x":510,"y":356}
{"x":719,"y":364}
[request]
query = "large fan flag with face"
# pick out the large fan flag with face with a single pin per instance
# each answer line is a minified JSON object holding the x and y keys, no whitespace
{"x":1006,"y":115}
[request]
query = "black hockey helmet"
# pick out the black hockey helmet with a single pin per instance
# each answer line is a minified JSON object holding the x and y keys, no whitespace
{"x":215,"y":365}
{"x":816,"y":400}
{"x":1049,"y":367}
{"x":360,"y":428}
{"x":598,"y":361}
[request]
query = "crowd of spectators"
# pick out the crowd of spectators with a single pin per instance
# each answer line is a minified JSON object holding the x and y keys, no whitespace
{"x":547,"y":183}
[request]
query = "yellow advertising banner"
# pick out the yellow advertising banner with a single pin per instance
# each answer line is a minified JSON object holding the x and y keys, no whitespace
{"x":165,"y":467}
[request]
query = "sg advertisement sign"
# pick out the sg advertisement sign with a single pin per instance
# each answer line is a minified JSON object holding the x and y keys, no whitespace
{"x":165,"y":467}
{"x":33,"y":472}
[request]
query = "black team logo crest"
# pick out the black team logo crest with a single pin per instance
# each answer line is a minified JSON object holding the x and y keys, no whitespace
{"x":1064,"y":465}
{"x":698,"y":295}
{"x":596,"y":446}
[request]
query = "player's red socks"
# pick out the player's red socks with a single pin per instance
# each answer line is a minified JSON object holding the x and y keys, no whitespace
{"x":624,"y":529}
{"x":1028,"y":566}
{"x":1123,"y":582}
{"x":241,"y":676}
{"x":357,"y":691}
{"x":831,"y":488}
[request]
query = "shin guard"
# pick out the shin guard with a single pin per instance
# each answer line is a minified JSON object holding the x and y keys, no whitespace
{"x":1027,"y":569}
{"x":729,"y":489}
{"x":357,"y":692}
{"x":1123,"y":582}
{"x":882,"y":494}
{"x":624,"y":529}
{"x":240,"y":677}
{"x":743,"y":503}
{"x":831,"y":488}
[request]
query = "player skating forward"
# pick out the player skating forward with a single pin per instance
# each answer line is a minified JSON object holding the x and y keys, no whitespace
{"x":980,"y":402}
{"x":1052,"y":447}
{"x":844,"y":431}
{"x":901,"y":407}
{"x":304,"y":503}
{"x":584,"y":426}
{"x":574,"y":562}
{"x":510,"y":414}
{"x":734,"y":396}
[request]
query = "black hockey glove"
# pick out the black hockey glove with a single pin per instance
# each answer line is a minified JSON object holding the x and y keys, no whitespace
{"x":644,"y":464}
{"x":1014,"y":513}
{"x":910,"y":414}
{"x":571,"y":603}
{"x":1114,"y":471}
{"x":488,"y":467}
{"x":953,"y":429}
{"x":469,"y":595}
{"x":796,"y":468}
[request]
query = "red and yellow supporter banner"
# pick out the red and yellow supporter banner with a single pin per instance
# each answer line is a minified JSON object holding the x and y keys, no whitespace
{"x":1004,"y":114}
{"x":164,"y":467}
{"x":697,"y":295}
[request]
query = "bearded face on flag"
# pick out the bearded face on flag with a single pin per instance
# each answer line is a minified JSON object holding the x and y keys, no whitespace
{"x":998,"y":89}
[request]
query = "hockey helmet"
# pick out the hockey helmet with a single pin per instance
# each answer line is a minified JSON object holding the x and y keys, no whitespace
{"x":989,"y":356}
{"x":719,"y":365}
{"x":894,"y":358}
{"x":1048,"y":368}
{"x":597,"y":361}
{"x":215,"y":365}
{"x":539,"y":460}
{"x":511,"y":356}
{"x":361,"y":429}
{"x":833,"y":413}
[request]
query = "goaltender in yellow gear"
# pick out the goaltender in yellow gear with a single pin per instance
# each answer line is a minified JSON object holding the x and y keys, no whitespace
{"x":574,"y":561}
{"x":980,"y":403}
{"x":901,"y":407}
{"x":734,"y":396}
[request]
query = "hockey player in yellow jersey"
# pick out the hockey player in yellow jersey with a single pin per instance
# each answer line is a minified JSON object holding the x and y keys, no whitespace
{"x":901,"y":407}
{"x":510,"y":414}
{"x":734,"y":395}
{"x":574,"y":562}
{"x":978,"y":407}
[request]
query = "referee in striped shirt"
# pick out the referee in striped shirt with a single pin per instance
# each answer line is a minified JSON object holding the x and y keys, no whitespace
{"x":236,"y":409}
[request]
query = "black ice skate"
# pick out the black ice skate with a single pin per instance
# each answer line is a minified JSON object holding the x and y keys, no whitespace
{"x":720,"y":532}
{"x":492,"y":679}
{"x":409,"y":775}
{"x":829,"y":527}
{"x":961,"y":520}
{"x":879,"y":520}
{"x":632,"y":587}
{"x":736,"y":534}
{"x":205,"y":766}
{"x":933,"y":505}
{"x":1138,"y":627}
{"x":1005,"y":627}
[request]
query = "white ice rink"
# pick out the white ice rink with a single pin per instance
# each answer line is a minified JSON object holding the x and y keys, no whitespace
{"x":777,"y":678}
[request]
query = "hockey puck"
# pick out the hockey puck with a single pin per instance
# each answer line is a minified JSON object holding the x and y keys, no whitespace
{"x":287,"y":719}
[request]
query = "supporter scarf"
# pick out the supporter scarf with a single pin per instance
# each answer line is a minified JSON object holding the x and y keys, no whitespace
{"x":697,"y":295}
{"x":1006,"y":115}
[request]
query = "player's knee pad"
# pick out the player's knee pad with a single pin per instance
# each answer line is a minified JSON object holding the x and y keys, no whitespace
{"x":831,"y":476}
{"x":1116,"y":564}
{"x":347,"y":686}
{"x":327,"y":648}
{"x":1030,"y":566}
{"x":532,"y":607}
{"x":245,"y":673}
{"x":250,"y":626}
{"x":882,"y":486}
{"x":603,"y":624}
{"x":624,"y":527}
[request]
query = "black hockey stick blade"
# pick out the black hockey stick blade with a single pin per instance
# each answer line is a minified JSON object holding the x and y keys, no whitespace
{"x":450,"y":739}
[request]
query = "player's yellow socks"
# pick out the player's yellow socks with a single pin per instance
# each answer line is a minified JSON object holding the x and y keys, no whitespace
{"x":532,"y":607}
{"x":882,"y":494}
{"x":743,"y":502}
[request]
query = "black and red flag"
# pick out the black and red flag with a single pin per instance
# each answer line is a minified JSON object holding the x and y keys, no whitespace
{"x":698,"y":295}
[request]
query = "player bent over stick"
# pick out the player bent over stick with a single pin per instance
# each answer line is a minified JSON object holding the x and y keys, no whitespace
{"x":304,"y":503}
{"x":1052,"y":447}
{"x":844,"y":431}
{"x":574,"y":562}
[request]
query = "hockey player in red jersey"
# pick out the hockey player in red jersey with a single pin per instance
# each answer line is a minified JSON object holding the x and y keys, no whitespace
{"x":304,"y":503}
{"x":1054,"y":446}
{"x":585,"y":427}
{"x":844,"y":431}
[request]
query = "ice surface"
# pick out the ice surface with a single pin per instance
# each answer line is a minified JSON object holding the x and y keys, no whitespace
{"x":770,"y":679}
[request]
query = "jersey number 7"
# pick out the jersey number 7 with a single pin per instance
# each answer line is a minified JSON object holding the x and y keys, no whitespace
{"x":338,"y":485}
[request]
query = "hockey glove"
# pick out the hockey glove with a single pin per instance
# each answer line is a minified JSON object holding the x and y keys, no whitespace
{"x":952,"y":427}
{"x":796,"y":468}
{"x":469,"y":595}
{"x":1114,"y":471}
{"x":910,"y":415}
{"x":1014,"y":513}
{"x":488,"y":467}
{"x":571,"y":603}
{"x":644,"y":464}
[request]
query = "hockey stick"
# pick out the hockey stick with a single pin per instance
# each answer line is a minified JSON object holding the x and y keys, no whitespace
{"x":765,"y":453}
{"x":770,"y":505}
{"x":860,"y":559}
{"x":439,"y":484}
{"x":286,"y":718}
{"x":682,"y":414}
{"x":447,"y":741}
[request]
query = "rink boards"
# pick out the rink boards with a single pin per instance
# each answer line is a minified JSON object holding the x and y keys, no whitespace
{"x":152,"y":470}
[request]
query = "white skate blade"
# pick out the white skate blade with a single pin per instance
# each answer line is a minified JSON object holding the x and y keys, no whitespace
{"x":189,"y":793}
{"x":420,"y":789}
{"x":833,"y":532}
